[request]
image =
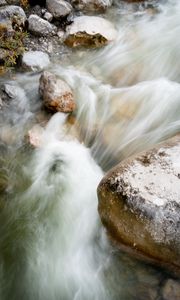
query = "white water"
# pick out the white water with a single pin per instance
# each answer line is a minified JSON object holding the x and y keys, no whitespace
{"x":52,"y":245}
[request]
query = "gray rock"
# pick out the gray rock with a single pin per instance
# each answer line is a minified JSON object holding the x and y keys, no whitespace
{"x":88,"y":31}
{"x":12,"y":12}
{"x":171,"y":290}
{"x":139,"y":204}
{"x":9,"y":92}
{"x":56,"y":93}
{"x":35,"y":60}
{"x":12,"y":90}
{"x":40,"y":27}
{"x":48,"y":16}
{"x":92,"y":5}
{"x":59,"y":8}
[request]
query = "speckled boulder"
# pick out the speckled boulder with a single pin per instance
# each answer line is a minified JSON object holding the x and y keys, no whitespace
{"x":139,"y":204}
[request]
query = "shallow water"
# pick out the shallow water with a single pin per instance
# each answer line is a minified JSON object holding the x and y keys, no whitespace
{"x":52,"y":244}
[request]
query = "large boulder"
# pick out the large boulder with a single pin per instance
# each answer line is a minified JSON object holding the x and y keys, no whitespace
{"x":92,"y":5}
{"x":59,"y":8}
{"x":139,"y":204}
{"x":40,"y":27}
{"x":56,"y":93}
{"x":89,"y":31}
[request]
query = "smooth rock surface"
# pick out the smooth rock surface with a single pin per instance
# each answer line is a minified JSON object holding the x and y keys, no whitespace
{"x":39,"y":26}
{"x":92,"y":5}
{"x":57,"y":95}
{"x":59,"y":8}
{"x":35,"y":60}
{"x":139,"y":203}
{"x":88,"y":31}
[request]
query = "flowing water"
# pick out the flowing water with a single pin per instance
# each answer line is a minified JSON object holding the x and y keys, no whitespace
{"x":52,"y":244}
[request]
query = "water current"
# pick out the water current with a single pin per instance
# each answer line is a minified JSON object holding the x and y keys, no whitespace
{"x":52,"y":243}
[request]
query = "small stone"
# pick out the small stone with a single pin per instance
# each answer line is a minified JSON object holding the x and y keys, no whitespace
{"x":48,"y":16}
{"x":11,"y":91}
{"x":40,"y":27}
{"x":56,"y":93}
{"x":59,"y":8}
{"x":35,"y":60}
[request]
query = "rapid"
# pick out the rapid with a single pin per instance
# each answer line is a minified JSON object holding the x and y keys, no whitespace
{"x":52,"y":243}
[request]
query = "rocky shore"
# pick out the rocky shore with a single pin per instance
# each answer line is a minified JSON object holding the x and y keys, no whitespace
{"x":45,"y":25}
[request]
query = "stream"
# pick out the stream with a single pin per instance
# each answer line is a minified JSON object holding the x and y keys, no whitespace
{"x":52,"y":243}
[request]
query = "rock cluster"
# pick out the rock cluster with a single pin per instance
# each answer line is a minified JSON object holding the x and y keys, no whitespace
{"x":54,"y":19}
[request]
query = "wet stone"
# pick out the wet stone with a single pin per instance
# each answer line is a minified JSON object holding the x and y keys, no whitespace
{"x":56,"y":93}
{"x":139,"y":204}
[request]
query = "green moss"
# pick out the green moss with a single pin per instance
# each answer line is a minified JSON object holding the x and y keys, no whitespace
{"x":13,"y":43}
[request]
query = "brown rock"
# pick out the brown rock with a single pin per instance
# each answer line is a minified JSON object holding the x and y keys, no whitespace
{"x":56,"y":93}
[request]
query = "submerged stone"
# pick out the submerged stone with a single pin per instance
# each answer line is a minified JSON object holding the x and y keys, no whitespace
{"x":139,"y":204}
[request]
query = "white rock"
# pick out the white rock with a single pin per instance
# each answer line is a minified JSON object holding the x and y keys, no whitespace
{"x":35,"y":60}
{"x":48,"y":16}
